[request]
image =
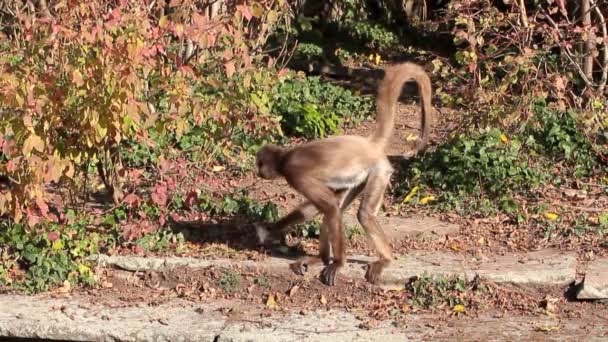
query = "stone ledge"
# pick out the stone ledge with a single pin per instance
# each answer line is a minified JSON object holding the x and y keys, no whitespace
{"x":544,"y":268}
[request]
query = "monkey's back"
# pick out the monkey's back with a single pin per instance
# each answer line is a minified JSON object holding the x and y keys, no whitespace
{"x":339,"y":160}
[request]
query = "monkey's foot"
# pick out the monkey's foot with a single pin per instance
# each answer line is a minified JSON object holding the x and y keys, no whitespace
{"x":374,"y":270}
{"x":328,"y":275}
{"x":299,"y":267}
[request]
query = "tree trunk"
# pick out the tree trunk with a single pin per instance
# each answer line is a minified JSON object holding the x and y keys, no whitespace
{"x":589,"y":42}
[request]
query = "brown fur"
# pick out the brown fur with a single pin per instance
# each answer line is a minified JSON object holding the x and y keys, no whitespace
{"x":332,"y":172}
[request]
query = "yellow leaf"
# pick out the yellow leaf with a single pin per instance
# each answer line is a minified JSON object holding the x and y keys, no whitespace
{"x":426,"y":199}
{"x":459,"y":308}
{"x":163,"y":21}
{"x":551,"y":216}
{"x":547,"y":328}
{"x":411,"y":137}
{"x":271,"y":302}
{"x":218,"y":168}
{"x":410,"y":194}
{"x":82,"y":268}
{"x":57,"y":245}
{"x":378,"y":59}
{"x":504,"y":138}
{"x":33,"y":142}
{"x":323,"y":300}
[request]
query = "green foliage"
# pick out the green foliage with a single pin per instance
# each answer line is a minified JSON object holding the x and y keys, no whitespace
{"x":374,"y":36}
{"x":50,"y":258}
{"x":557,"y":135}
{"x":429,"y":292}
{"x":236,"y":204}
{"x":309,"y":229}
{"x":229,"y":280}
{"x":489,"y":164}
{"x":485,"y":170}
{"x":162,"y":240}
{"x":314,"y":109}
{"x":309,"y":51}
{"x":262,"y":281}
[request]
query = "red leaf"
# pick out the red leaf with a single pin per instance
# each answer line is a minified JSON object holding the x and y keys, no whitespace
{"x":230,"y":68}
{"x":131,"y":199}
{"x":52,"y":236}
{"x":44,"y":208}
{"x":160,"y":196}
{"x":245,"y":10}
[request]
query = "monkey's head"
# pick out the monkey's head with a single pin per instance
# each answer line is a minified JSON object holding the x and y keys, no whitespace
{"x":267,"y":161}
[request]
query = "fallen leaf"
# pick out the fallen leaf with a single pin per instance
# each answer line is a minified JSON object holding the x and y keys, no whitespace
{"x":551,"y":216}
{"x":411,"y":137}
{"x":426,"y":199}
{"x":218,"y":168}
{"x":410,"y":195}
{"x":323,"y":300}
{"x":547,"y":328}
{"x":504,"y":138}
{"x":271,"y":302}
{"x":65,"y":288}
{"x":293,"y":290}
{"x":459,"y":308}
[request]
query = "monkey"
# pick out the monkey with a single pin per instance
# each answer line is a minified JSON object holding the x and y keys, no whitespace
{"x":331,"y":172}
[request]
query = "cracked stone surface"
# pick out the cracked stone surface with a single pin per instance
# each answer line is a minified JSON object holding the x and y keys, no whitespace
{"x":77,"y":319}
{"x":547,"y":267}
{"x":396,"y":228}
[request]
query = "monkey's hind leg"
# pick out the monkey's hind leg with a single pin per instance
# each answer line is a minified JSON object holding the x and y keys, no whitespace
{"x":300,"y":266}
{"x":276,"y":231}
{"x":371,"y":200}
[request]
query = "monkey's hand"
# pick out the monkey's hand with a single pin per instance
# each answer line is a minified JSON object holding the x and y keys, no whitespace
{"x":328,"y":275}
{"x":374,"y":270}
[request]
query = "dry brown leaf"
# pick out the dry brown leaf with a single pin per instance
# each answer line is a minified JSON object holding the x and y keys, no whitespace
{"x":293,"y":290}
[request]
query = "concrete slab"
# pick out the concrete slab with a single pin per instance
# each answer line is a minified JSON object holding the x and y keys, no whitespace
{"x":397,"y":228}
{"x":595,"y":284}
{"x":547,"y":267}
{"x":78,"y":319}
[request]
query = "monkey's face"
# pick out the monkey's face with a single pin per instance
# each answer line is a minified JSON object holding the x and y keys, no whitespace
{"x":267,"y":161}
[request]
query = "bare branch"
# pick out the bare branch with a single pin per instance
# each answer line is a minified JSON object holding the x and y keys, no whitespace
{"x":568,"y":52}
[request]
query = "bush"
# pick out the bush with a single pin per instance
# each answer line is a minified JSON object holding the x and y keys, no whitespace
{"x":493,"y":167}
{"x":90,"y":77}
{"x":314,"y":109}
{"x":48,"y":258}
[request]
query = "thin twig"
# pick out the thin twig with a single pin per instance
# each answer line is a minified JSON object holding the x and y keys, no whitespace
{"x":567,"y":51}
{"x":524,"y":14}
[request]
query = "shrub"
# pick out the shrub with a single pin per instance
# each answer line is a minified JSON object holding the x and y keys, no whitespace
{"x":313,"y":109}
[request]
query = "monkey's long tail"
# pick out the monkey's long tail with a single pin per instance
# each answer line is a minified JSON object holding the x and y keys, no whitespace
{"x":389,"y":90}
